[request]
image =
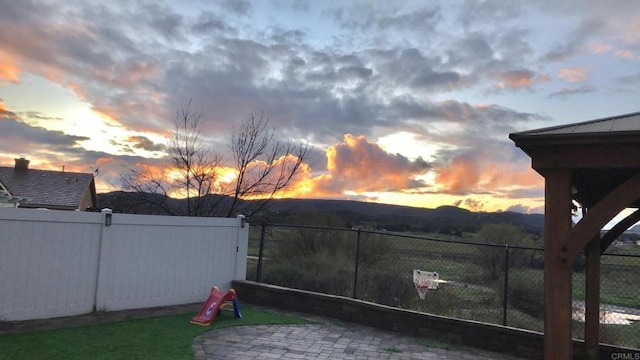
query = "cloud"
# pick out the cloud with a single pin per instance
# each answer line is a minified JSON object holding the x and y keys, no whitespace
{"x":471,"y":204}
{"x":518,"y":79}
{"x":626,"y":54}
{"x":474,"y":51}
{"x":53,"y":150}
{"x":478,"y":13}
{"x":210,"y":23}
{"x":574,"y":43}
{"x":358,"y":165}
{"x":600,"y":48}
{"x":492,"y":167}
{"x":99,"y":59}
{"x":366,"y":18}
{"x":526,"y":209}
{"x":573,"y":75}
{"x":596,"y":27}
{"x":142,"y":142}
{"x":240,"y":7}
{"x":133,"y":145}
{"x":8,"y":73}
{"x":5,"y":113}
{"x":632,"y":80}
{"x":567,"y":92}
{"x":389,"y":67}
{"x":141,"y":68}
{"x":24,"y":136}
{"x":39,"y":116}
{"x":459,"y":124}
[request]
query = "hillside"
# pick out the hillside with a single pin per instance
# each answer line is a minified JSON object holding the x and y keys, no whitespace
{"x":343,"y":213}
{"x":445,"y":219}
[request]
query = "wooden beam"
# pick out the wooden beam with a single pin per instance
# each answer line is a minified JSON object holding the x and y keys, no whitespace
{"x":586,"y":157}
{"x":600,"y":214}
{"x":557,"y":275}
{"x":592,"y":300}
{"x":618,"y":229}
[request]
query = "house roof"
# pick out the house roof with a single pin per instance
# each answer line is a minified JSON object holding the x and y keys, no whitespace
{"x":47,"y":188}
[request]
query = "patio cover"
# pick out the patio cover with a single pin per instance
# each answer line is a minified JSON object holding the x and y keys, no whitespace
{"x":596,"y":164}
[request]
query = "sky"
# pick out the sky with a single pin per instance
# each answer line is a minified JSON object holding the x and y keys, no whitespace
{"x":402,"y":102}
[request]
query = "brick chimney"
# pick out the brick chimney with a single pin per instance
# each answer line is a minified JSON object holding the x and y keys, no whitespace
{"x":22,"y":164}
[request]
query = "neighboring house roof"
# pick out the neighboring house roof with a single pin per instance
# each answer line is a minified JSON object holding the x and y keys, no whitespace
{"x":49,"y":189}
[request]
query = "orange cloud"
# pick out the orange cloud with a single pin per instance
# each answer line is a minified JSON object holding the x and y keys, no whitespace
{"x":8,"y":73}
{"x":519,"y":79}
{"x":600,"y":48}
{"x":460,"y":176}
{"x":8,"y":69}
{"x":358,"y":165}
{"x":469,"y":173}
{"x":135,"y":72}
{"x":302,"y":185}
{"x":573,"y":75}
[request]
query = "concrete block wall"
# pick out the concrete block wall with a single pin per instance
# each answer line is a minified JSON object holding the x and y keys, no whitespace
{"x":508,"y":340}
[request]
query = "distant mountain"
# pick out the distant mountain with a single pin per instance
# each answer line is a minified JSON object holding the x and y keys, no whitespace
{"x":445,"y":219}
{"x":343,"y":213}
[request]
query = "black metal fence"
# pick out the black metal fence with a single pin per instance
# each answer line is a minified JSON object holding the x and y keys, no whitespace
{"x":494,"y":283}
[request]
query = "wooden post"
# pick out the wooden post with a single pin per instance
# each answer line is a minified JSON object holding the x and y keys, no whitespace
{"x":592,"y":300}
{"x":557,"y":266}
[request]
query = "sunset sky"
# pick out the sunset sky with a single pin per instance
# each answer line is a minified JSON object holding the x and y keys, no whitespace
{"x":403,"y":102}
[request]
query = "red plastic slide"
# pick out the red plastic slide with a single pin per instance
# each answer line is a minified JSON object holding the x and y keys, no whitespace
{"x":217,"y":299}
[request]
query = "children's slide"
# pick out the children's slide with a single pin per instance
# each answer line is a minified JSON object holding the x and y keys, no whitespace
{"x":214,"y":304}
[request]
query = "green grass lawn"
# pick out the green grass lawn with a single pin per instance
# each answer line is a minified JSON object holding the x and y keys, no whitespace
{"x":158,"y":338}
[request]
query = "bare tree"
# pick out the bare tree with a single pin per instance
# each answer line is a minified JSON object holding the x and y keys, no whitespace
{"x":263,"y":166}
{"x":192,"y":174}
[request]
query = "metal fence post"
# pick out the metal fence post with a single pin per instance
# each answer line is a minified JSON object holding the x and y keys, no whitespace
{"x":263,"y":232}
{"x":505,"y":288}
{"x":355,"y":276}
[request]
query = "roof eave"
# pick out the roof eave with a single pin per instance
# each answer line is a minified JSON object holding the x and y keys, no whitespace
{"x":534,"y":132}
{"x":526,"y":140}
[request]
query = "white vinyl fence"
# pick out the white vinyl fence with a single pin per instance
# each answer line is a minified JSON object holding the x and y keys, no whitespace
{"x":62,"y":263}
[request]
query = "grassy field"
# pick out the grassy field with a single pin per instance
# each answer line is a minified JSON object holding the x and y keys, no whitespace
{"x":158,"y":338}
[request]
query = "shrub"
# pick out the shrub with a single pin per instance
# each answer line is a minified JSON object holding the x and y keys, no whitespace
{"x":323,"y":260}
{"x":493,"y":258}
{"x":383,"y":287}
{"x":444,"y":301}
{"x":286,"y":275}
{"x":526,"y":293}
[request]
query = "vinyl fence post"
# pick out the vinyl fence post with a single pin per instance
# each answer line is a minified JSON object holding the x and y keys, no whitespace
{"x":505,"y":288}
{"x":263,"y":232}
{"x":355,"y":275}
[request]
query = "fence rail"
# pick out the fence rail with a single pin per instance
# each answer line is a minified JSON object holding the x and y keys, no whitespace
{"x":495,"y":283}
